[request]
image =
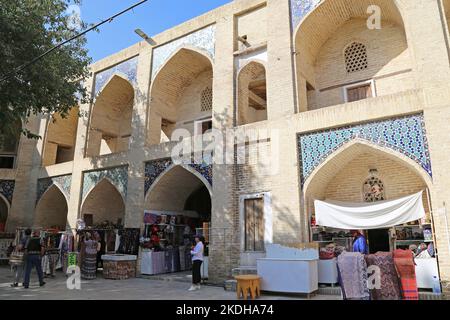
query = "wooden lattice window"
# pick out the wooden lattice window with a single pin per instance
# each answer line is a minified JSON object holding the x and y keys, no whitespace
{"x":373,"y":190}
{"x":206,"y":99}
{"x":356,"y":57}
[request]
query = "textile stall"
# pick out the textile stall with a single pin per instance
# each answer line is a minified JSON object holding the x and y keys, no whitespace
{"x":167,"y":241}
{"x":410,"y":253}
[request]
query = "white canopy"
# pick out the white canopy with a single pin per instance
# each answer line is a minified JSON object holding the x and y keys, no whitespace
{"x":366,"y":216}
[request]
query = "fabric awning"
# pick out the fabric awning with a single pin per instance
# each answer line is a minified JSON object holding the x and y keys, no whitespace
{"x":366,"y":216}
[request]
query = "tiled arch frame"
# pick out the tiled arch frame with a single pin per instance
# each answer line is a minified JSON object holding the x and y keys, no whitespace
{"x":301,"y":8}
{"x":118,"y":177}
{"x":156,"y":169}
{"x":414,"y":166}
{"x":405,"y":135}
{"x":63,"y":183}
{"x":126,"y":69}
{"x":203,"y":39}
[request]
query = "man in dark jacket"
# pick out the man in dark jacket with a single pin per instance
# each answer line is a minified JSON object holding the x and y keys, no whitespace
{"x":33,"y":251}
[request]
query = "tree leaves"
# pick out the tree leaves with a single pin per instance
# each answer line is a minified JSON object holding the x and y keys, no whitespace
{"x":53,"y":84}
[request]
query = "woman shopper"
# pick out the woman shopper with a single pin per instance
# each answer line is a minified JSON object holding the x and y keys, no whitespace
{"x":197,"y":260}
{"x":89,"y":257}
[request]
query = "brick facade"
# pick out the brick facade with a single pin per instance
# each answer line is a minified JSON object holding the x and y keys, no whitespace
{"x":408,"y":63}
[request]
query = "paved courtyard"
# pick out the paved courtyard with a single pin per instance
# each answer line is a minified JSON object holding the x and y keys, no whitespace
{"x":132,"y":289}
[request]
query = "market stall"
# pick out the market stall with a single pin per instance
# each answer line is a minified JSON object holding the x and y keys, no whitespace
{"x":404,"y":222}
{"x":167,"y":241}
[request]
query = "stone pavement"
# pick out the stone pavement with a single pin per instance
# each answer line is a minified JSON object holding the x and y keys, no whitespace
{"x":132,"y":289}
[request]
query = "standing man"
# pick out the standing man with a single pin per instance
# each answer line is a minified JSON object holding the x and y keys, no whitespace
{"x":197,"y":260}
{"x":33,"y":251}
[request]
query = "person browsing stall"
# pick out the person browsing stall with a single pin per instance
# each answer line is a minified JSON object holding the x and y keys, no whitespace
{"x":197,"y":260}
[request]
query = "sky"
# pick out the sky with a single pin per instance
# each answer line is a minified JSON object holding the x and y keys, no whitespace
{"x":152,"y":17}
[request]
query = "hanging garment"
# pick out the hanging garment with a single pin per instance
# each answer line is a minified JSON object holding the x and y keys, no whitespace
{"x":353,"y":273}
{"x":368,"y":216}
{"x":406,"y":270}
{"x":389,"y":282}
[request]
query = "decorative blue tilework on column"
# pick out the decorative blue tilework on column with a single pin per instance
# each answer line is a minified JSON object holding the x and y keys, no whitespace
{"x":406,"y":135}
{"x":153,"y":169}
{"x":7,"y":189}
{"x":204,"y":39}
{"x":117,"y":176}
{"x":62,"y":182}
{"x":300,"y":8}
{"x":127,"y":69}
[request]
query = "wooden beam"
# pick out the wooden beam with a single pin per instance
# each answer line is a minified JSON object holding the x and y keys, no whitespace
{"x":257,"y":99}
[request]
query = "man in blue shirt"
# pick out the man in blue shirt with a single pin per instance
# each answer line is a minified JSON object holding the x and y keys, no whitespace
{"x":359,"y":242}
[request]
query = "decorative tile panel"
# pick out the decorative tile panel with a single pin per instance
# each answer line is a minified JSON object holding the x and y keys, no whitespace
{"x":117,"y":176}
{"x":204,"y":39}
{"x":205,"y":170}
{"x":7,"y":189}
{"x":300,"y":8}
{"x":406,"y":135}
{"x":153,"y":169}
{"x":62,"y":182}
{"x":127,"y":69}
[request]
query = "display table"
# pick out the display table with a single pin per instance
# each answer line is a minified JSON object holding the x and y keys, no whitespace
{"x":328,"y":272}
{"x":426,"y":269}
{"x":288,"y":275}
{"x":119,"y":266}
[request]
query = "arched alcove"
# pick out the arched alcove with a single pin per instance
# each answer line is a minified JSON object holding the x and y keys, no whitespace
{"x":9,"y":143}
{"x":103,"y":203}
{"x":324,"y":77}
{"x":51,"y":210}
{"x":252,"y":93}
{"x":110,"y":125}
{"x":60,"y":139}
{"x":181,"y":96}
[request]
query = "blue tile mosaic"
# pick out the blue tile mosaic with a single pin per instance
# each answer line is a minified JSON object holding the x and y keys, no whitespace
{"x":153,"y":169}
{"x":205,"y":170}
{"x":117,"y":176}
{"x":127,"y":69}
{"x":406,"y":135}
{"x":62,"y":182}
{"x":204,"y":39}
{"x":7,"y":189}
{"x":300,"y":8}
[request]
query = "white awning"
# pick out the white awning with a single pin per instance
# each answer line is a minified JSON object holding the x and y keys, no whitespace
{"x":366,"y":216}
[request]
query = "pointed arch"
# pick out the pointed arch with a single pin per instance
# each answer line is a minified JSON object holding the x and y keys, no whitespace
{"x":175,"y":93}
{"x":95,"y":186}
{"x":321,"y":175}
{"x":173,"y":187}
{"x":111,"y":117}
{"x":51,"y":209}
{"x":104,"y":202}
{"x":321,"y":37}
{"x":60,"y":138}
{"x":252,"y":93}
{"x":185,"y":167}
